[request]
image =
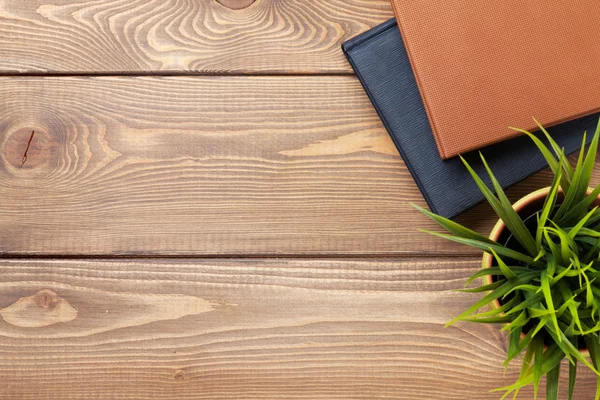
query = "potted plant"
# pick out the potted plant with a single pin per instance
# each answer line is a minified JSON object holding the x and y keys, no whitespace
{"x":541,"y":270}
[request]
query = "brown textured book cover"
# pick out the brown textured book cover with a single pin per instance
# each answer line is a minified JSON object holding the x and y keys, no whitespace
{"x":485,"y":65}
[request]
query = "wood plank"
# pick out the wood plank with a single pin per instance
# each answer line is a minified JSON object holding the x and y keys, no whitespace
{"x":268,"y":36}
{"x":207,"y":166}
{"x":246,"y":329}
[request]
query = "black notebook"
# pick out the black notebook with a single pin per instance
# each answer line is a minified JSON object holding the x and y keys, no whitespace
{"x":380,"y":61}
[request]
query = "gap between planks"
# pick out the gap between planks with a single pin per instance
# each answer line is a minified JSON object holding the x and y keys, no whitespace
{"x":201,"y":257}
{"x":136,"y":74}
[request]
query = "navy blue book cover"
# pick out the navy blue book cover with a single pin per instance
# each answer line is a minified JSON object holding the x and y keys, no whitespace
{"x":380,"y":62}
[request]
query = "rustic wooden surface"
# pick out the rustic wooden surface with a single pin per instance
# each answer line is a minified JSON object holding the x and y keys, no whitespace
{"x":300,"y":329}
{"x":261,"y":36}
{"x":206,"y":166}
{"x":286,"y":261}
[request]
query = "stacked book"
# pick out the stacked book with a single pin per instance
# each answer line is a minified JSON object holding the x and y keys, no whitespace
{"x":449,"y":78}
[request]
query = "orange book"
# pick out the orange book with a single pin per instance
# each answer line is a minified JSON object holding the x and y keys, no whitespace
{"x":484,"y":65}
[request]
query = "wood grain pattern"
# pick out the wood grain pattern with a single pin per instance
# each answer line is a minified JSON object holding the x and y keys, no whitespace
{"x":243,"y":329}
{"x":207,"y":166}
{"x":219,"y":166}
{"x":267,"y":36}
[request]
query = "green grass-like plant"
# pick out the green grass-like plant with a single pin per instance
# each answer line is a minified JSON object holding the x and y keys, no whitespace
{"x":548,"y":287}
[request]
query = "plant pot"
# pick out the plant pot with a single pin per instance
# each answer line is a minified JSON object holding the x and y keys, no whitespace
{"x":528,"y":206}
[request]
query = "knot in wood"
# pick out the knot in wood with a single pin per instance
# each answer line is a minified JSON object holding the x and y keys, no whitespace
{"x":47,"y":298}
{"x":179,"y":375}
{"x":30,"y":149}
{"x":41,"y":309}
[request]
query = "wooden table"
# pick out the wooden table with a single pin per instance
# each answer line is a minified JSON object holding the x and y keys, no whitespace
{"x":210,"y":208}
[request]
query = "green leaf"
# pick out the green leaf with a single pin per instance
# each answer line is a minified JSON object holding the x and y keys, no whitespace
{"x":589,"y":233}
{"x":540,"y":255}
{"x":525,"y":367}
{"x":567,"y":245}
{"x":518,"y":322}
{"x":549,"y":205}
{"x":567,"y":294}
{"x":495,"y":271}
{"x":593,"y":330}
{"x":454,"y":227}
{"x":554,"y":249}
{"x":582,"y":207}
{"x":593,"y":251}
{"x":526,"y":340}
{"x":514,"y":338}
{"x":575,"y":230}
{"x":484,"y":288}
{"x":532,"y":300}
{"x":552,"y":357}
{"x":567,"y":347}
{"x":589,"y":296}
{"x":488,"y":320}
{"x":596,"y":291}
{"x":510,"y":217}
{"x":502,"y":290}
{"x":503,"y":251}
{"x":565,"y":307}
{"x":499,"y":310}
{"x":559,"y":151}
{"x":524,"y":288}
{"x":541,"y":324}
{"x":581,"y":179}
{"x":593,"y":344}
{"x":572,"y":374}
{"x":552,"y":382}
{"x":503,"y":267}
{"x":553,"y":163}
{"x":571,"y":195}
{"x":586,"y":240}
{"x":548,"y":296}
{"x":578,"y":271}
{"x":537,"y":313}
{"x":538,"y":350}
{"x":596,"y":217}
{"x":561,"y":275}
{"x":552,"y":265}
{"x":588,"y":164}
